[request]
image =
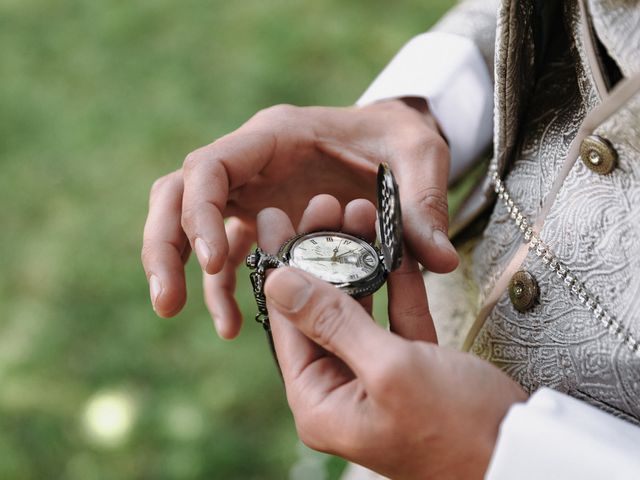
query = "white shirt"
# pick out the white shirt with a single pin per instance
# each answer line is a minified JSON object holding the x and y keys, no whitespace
{"x":552,"y":436}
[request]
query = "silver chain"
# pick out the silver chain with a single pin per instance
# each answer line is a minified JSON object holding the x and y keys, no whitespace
{"x":568,"y":278}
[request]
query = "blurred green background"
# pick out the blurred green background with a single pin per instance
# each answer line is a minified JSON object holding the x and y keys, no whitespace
{"x":97,"y":99}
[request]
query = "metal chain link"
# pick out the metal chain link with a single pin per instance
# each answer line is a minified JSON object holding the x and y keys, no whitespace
{"x":554,"y":264}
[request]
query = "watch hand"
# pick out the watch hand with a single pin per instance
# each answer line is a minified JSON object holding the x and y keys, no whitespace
{"x":346,"y":253}
{"x":316,"y":259}
{"x":335,"y":252}
{"x":339,"y":259}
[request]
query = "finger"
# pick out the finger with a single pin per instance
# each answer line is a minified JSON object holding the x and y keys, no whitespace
{"x":293,"y":349}
{"x":423,"y":192}
{"x":219,"y":289}
{"x":409,"y":314}
{"x":164,"y":245}
{"x":209,"y":174}
{"x":420,"y":160}
{"x":360,"y":219}
{"x":322,"y":213}
{"x":332,"y":320}
{"x":273,"y":228}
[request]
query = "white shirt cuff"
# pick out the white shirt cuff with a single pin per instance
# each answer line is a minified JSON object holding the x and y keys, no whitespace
{"x":554,"y":436}
{"x":449,"y":72}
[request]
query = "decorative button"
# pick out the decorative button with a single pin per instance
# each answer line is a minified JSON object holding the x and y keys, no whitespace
{"x":598,"y":154}
{"x":523,"y":291}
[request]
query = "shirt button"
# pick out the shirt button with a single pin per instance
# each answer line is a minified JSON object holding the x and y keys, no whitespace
{"x":598,"y":154}
{"x":523,"y":291}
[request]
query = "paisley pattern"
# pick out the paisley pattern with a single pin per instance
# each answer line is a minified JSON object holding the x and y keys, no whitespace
{"x":593,"y":226}
{"x":617,"y":23}
{"x":552,"y":121}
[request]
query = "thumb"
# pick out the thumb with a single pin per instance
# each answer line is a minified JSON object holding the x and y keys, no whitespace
{"x":422,"y":177}
{"x":330,"y":318}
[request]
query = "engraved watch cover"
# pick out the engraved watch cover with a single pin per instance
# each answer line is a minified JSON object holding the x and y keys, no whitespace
{"x":389,"y":218}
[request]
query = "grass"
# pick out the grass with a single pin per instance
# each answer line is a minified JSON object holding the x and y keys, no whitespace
{"x":97,"y":99}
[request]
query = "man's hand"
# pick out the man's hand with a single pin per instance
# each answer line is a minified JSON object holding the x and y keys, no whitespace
{"x":281,"y":158}
{"x":392,"y":401}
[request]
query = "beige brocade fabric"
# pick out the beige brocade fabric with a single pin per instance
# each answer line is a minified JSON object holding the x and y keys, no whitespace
{"x":617,"y":23}
{"x":593,"y":227}
{"x":556,"y":110}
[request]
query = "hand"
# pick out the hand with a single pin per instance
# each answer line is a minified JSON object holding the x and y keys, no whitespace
{"x":392,"y":401}
{"x":282,"y":157}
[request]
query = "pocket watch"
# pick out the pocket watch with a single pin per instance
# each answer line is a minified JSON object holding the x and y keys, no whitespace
{"x":352,"y":264}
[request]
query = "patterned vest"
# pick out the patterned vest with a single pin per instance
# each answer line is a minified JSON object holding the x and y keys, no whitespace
{"x":563,"y":218}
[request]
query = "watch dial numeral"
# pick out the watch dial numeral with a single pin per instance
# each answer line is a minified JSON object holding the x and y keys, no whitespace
{"x":368,"y":260}
{"x":334,"y":257}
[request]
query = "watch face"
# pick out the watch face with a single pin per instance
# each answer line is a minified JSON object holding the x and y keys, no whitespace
{"x":334,"y":257}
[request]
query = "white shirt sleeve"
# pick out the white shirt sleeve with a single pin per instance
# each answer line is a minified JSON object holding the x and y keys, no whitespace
{"x":554,"y":436}
{"x":449,"y":72}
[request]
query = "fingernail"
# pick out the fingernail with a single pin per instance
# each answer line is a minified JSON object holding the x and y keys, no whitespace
{"x":155,"y":289}
{"x":288,"y":290}
{"x":202,"y":252}
{"x":442,"y":241}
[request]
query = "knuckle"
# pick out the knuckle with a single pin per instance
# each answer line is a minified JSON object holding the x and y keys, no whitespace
{"x":188,"y":218}
{"x":147,"y":254}
{"x":192,"y":159}
{"x":207,"y":161}
{"x":415,"y":311}
{"x":158,"y":185}
{"x":435,"y":146}
{"x":424,"y":143}
{"x":169,"y":186}
{"x":328,"y":322}
{"x":433,"y":200}
{"x":275,"y":117}
{"x":277,"y":112}
{"x":216,"y":173}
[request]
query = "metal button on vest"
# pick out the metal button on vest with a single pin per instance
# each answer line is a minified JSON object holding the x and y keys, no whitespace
{"x":523,"y":291}
{"x":598,"y":154}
